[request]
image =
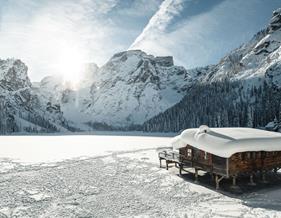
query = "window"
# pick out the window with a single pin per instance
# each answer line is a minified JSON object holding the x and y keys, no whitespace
{"x":189,"y":152}
{"x":205,"y":155}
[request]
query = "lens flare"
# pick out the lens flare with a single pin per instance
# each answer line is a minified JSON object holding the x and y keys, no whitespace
{"x":71,"y":65}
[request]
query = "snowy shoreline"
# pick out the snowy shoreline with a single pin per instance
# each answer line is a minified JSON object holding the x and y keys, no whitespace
{"x":98,"y":132}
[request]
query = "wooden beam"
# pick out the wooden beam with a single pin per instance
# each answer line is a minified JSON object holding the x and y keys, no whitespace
{"x":212,"y":177}
{"x":263,"y":176}
{"x":196,"y":175}
{"x":180,"y":169}
{"x":233,"y":180}
{"x":227,"y":167}
{"x":252,"y":180}
{"x":234,"y":185}
{"x":218,"y":181}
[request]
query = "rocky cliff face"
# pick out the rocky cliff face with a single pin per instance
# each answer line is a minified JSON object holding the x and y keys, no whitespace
{"x":134,"y":86}
{"x":129,"y":89}
{"x":13,"y":75}
{"x":253,"y":60}
{"x":275,"y":22}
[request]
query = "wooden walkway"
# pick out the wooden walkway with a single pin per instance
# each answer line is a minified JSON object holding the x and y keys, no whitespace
{"x":169,"y":157}
{"x":173,"y":157}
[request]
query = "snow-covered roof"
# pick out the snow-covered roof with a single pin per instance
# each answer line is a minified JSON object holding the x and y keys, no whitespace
{"x":225,"y":142}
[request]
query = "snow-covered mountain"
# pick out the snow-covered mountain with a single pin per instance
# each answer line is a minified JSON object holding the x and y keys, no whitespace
{"x":243,"y":89}
{"x":130,"y":88}
{"x":21,"y":109}
{"x":134,"y":86}
{"x":255,"y":60}
{"x":13,"y":75}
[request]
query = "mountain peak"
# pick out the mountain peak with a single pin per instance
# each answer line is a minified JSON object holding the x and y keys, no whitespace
{"x":13,"y":74}
{"x":125,"y":54}
{"x":163,"y":61}
{"x":275,"y":22}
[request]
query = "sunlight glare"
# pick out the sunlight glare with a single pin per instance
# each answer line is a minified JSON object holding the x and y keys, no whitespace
{"x":71,"y":65}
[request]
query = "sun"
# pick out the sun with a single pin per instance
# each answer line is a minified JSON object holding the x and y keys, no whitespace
{"x":70,"y":65}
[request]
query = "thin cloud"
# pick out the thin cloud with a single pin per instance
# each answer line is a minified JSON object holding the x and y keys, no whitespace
{"x":159,"y":22}
{"x":36,"y":31}
{"x":198,"y":33}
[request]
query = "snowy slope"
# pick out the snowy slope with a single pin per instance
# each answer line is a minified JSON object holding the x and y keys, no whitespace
{"x":55,"y":91}
{"x":129,"y":89}
{"x":134,"y":86}
{"x":21,"y":108}
{"x":259,"y":58}
{"x":243,"y":89}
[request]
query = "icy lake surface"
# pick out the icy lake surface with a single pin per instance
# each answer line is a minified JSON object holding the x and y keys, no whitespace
{"x":110,"y":176}
{"x":35,"y":149}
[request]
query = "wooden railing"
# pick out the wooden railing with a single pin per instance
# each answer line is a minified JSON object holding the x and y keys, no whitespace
{"x":176,"y":157}
{"x":169,"y":155}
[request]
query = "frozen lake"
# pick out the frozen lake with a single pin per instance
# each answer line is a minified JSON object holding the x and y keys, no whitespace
{"x":36,"y":149}
{"x":110,"y":176}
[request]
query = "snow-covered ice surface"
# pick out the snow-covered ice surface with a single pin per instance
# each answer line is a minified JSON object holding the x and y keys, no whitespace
{"x":44,"y":148}
{"x":118,"y":176}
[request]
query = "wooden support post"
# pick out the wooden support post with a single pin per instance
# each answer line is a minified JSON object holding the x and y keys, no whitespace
{"x":167,"y":165}
{"x":252,"y":180}
{"x":212,"y":177}
{"x":234,"y":181}
{"x":234,"y":186}
{"x":263,"y":177}
{"x":180,"y":169}
{"x":218,"y":181}
{"x":196,"y":175}
{"x":160,"y":160}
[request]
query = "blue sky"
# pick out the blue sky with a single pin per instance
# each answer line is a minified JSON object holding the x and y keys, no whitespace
{"x":200,"y":32}
{"x":50,"y":35}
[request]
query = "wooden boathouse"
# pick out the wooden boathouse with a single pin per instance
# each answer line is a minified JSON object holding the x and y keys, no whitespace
{"x":226,"y":152}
